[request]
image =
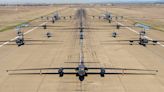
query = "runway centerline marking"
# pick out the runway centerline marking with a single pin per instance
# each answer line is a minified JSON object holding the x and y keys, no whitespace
{"x":138,"y":33}
{"x":7,"y":42}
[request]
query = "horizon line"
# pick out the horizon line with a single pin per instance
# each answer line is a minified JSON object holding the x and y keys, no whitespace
{"x":98,"y":2}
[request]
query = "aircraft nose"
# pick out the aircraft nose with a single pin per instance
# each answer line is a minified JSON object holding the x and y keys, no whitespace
{"x":81,"y":72}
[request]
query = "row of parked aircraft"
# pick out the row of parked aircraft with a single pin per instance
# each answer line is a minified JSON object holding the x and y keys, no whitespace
{"x":82,"y":70}
{"x":142,"y":40}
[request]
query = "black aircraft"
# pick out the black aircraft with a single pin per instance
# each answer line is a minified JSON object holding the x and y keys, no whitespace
{"x":118,"y":26}
{"x":104,"y":16}
{"x":83,"y":71}
{"x":44,"y":26}
{"x":114,"y":34}
{"x":143,"y":40}
{"x":109,"y":16}
{"x":19,"y":40}
{"x":56,"y":17}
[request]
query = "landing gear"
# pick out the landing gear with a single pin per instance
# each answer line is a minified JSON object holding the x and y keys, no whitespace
{"x":81,"y":78}
{"x":144,"y":45}
{"x":53,"y":21}
{"x":114,"y":34}
{"x":48,"y":34}
{"x":131,"y":42}
{"x":44,"y":26}
{"x":110,"y":20}
{"x":118,"y":27}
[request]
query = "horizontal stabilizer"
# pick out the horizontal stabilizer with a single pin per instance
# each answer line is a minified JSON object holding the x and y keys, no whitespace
{"x":79,"y":62}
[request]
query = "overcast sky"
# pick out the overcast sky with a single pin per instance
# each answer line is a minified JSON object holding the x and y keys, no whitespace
{"x":71,"y":1}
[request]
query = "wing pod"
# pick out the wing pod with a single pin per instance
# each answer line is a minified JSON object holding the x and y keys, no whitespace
{"x":60,"y":71}
{"x":102,"y":72}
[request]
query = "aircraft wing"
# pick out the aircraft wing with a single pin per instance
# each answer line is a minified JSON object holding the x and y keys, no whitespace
{"x":89,"y":73}
{"x":88,"y":68}
{"x":42,"y":69}
{"x":122,"y":72}
{"x":31,"y":40}
{"x":119,"y":73}
{"x":120,"y":40}
{"x":59,"y":16}
{"x":7,"y":41}
{"x":155,"y":41}
{"x":28,"y":40}
{"x":142,"y":18}
{"x":67,"y":16}
{"x":94,"y":68}
{"x":124,"y":42}
{"x":68,"y":73}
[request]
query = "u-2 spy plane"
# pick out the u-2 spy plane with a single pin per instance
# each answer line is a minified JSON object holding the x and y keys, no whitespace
{"x":109,"y":16}
{"x":55,"y":17}
{"x":143,"y":40}
{"x":19,"y":40}
{"x":82,"y":71}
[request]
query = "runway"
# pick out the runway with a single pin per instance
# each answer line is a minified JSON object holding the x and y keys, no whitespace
{"x":66,"y":48}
